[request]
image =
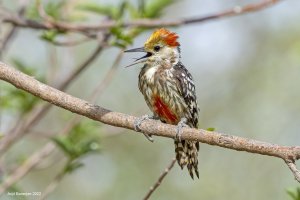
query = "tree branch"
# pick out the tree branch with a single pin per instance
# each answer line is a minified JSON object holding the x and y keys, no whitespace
{"x":95,"y":112}
{"x":48,"y":148}
{"x":38,"y":113}
{"x":145,"y":23}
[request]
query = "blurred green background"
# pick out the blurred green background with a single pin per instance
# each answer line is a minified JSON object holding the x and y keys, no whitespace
{"x":247,"y":75}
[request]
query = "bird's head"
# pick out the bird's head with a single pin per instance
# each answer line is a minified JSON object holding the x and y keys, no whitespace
{"x":161,"y":47}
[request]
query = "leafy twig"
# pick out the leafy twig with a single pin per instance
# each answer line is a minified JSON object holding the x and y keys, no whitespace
{"x":143,"y":23}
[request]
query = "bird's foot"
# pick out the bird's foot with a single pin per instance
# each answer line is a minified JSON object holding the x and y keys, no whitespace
{"x":180,"y":125}
{"x":139,"y":121}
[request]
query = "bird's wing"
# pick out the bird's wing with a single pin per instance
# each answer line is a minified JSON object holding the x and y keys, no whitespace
{"x":186,"y":87}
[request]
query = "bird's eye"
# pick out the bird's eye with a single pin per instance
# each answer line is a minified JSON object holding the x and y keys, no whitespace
{"x":156,"y":48}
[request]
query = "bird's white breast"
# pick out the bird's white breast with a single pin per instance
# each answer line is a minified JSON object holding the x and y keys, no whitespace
{"x":150,"y":73}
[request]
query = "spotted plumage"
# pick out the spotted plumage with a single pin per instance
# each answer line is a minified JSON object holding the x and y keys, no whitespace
{"x":169,"y":91}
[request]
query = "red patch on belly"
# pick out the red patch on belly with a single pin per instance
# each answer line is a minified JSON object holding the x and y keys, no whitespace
{"x":163,"y":111}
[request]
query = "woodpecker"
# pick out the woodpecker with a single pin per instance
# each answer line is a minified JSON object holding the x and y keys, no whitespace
{"x":169,"y":92}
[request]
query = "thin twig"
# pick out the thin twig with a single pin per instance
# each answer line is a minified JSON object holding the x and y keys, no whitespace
{"x":43,"y":153}
{"x":70,"y":43}
{"x":4,"y":43}
{"x":51,"y":187}
{"x":152,"y":127}
{"x":85,"y":64}
{"x":107,"y":78}
{"x":160,"y":179}
{"x":47,"y":19}
{"x":146,"y":23}
{"x":34,"y":159}
{"x":293,"y":168}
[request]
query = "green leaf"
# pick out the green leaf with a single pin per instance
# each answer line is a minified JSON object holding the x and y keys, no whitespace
{"x":72,"y":166}
{"x":154,"y":8}
{"x":106,"y":10}
{"x":32,"y":12}
{"x":19,"y":100}
{"x":89,"y":146}
{"x":83,"y":139}
{"x":295,"y":195}
{"x":19,"y":64}
{"x":65,"y":144}
{"x":114,"y":12}
{"x":119,"y":44}
{"x":49,"y":35}
{"x":141,"y":7}
{"x":134,"y":12}
{"x":210,"y":129}
{"x":122,"y":39}
{"x":55,"y":9}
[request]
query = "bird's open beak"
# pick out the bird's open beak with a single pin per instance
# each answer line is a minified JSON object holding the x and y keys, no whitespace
{"x":141,"y":59}
{"x":141,"y":49}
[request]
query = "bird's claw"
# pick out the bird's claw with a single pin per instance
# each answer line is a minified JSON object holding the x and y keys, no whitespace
{"x":149,"y":137}
{"x":179,"y":127}
{"x":137,"y":124}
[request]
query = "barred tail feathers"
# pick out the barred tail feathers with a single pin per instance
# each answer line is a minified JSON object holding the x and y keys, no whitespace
{"x":187,"y":155}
